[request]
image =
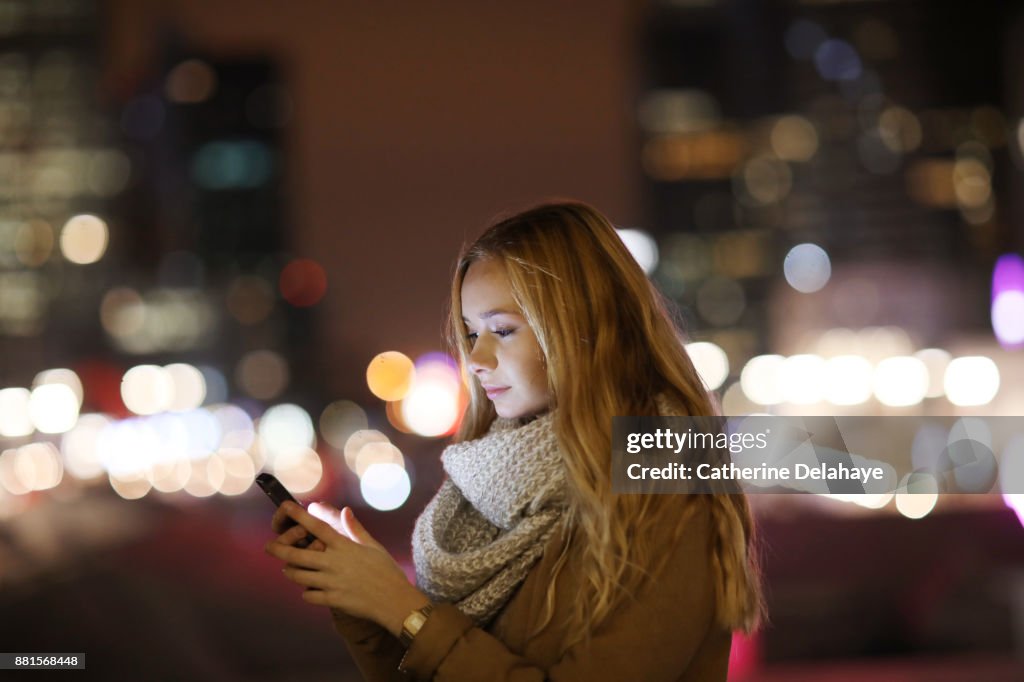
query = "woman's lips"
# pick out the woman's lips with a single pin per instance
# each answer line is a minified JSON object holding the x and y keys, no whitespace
{"x":493,"y":393}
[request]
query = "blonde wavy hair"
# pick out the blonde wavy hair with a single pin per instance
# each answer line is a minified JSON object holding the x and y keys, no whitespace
{"x":610,"y":348}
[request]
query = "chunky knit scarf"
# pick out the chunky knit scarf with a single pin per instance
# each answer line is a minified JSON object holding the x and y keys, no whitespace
{"x":488,"y":524}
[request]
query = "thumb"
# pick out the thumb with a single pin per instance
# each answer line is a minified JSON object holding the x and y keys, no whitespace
{"x":354,"y":530}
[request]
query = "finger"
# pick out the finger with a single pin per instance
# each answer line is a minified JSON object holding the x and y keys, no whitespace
{"x":325,"y":513}
{"x":318,"y":597}
{"x":280,"y":521}
{"x":292,"y":535}
{"x":311,"y":523}
{"x":306,"y":578}
{"x":303,"y":558}
{"x":354,"y":530}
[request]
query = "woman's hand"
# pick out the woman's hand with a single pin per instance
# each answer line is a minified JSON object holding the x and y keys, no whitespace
{"x":345,"y":568}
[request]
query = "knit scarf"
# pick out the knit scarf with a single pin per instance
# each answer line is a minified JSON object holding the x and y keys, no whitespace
{"x":488,"y":524}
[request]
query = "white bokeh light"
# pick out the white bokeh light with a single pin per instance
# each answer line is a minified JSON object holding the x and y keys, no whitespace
{"x":971,"y":381}
{"x":385,"y":486}
{"x":710,"y":361}
{"x":807,"y":268}
{"x":900,"y":381}
{"x":83,"y":239}
{"x":79,"y":446}
{"x":431,"y":407}
{"x":61,"y":376}
{"x":847,"y":380}
{"x":642,"y":246}
{"x":15,"y":420}
{"x":189,"y":390}
{"x":761,"y":379}
{"x":917,"y":495}
{"x":53,"y":408}
{"x":38,"y":466}
{"x":147,"y":389}
{"x":936,"y":360}
{"x":299,"y":470}
{"x":803,"y":379}
{"x":286,"y":428}
{"x":377,"y":452}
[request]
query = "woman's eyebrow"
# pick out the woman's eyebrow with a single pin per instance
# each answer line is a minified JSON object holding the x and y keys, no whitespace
{"x":492,"y":313}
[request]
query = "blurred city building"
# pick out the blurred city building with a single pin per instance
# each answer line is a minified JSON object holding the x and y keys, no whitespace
{"x":225,"y":234}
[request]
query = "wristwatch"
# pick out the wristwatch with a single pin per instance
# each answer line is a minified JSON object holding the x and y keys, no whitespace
{"x":412,"y":624}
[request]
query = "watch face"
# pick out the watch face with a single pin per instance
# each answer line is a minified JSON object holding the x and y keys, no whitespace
{"x":416,"y":621}
{"x":412,"y":624}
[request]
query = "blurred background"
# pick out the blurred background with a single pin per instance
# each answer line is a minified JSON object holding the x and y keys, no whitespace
{"x":227,"y":231}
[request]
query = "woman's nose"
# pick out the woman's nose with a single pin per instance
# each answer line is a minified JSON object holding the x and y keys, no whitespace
{"x":481,"y":358}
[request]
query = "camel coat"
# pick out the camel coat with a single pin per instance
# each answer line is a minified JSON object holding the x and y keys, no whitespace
{"x":666,"y":633}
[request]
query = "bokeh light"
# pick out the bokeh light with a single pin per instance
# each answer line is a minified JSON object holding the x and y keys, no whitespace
{"x":206,"y":476}
{"x":837,"y":60}
{"x":385,"y":486}
{"x":79,"y":447}
{"x":971,"y":182}
{"x":642,"y":246}
{"x":147,"y":389}
{"x":764,"y":180}
{"x":122,"y":312}
{"x":38,"y":466}
{"x":34,"y":243}
{"x":63,"y":376}
{"x":303,"y":282}
{"x":431,"y":407}
{"x":377,"y":452}
{"x":189,"y":387}
{"x":710,"y":361}
{"x":357,"y":441}
{"x":971,"y":381}
{"x":807,"y":268}
{"x":15,"y":420}
{"x":900,"y":381}
{"x":1008,"y":317}
{"x":803,"y":379}
{"x":339,"y":420}
{"x":216,"y":384}
{"x":9,"y":481}
{"x":794,"y":138}
{"x":263,"y":374}
{"x":83,"y":240}
{"x":191,"y":81}
{"x":917,"y":494}
{"x":390,"y":375}
{"x":239,"y":470}
{"x":900,"y":130}
{"x":761,"y":379}
{"x":284,"y":429}
{"x":935,"y":360}
{"x":130,"y":487}
{"x":847,"y":380}
{"x":53,"y":408}
{"x":299,"y":470}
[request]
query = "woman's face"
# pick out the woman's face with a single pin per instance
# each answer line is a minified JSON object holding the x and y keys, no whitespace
{"x":505,"y":356}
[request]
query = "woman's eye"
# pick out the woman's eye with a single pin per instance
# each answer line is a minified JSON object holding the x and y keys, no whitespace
{"x":503,"y":332}
{"x":471,"y":337}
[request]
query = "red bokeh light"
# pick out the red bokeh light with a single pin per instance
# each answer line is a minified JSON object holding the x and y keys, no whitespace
{"x":303,"y":282}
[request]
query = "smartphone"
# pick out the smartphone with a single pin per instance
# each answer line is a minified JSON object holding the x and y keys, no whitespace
{"x":278,"y":494}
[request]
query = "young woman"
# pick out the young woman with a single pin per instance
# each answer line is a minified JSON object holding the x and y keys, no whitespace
{"x":528,"y":566}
